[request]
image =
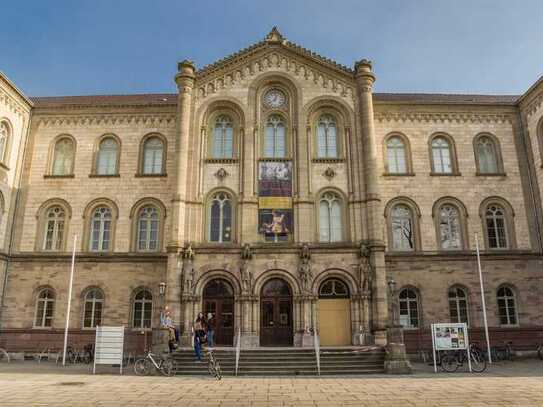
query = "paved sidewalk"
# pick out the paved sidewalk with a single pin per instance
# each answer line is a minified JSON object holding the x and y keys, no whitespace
{"x":507,"y":384}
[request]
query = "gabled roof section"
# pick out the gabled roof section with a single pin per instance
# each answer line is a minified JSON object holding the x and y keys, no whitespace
{"x":148,"y":99}
{"x":448,"y":99}
{"x":274,"y":38}
{"x":10,"y":84}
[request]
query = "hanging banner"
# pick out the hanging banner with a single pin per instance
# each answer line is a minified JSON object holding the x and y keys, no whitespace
{"x":275,"y":178}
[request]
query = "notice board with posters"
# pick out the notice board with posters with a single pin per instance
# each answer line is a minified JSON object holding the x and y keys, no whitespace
{"x":450,"y":336}
{"x":108,"y":347}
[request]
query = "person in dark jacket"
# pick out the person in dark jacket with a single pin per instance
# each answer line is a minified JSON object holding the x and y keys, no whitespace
{"x":210,"y":329}
{"x":199,"y":335}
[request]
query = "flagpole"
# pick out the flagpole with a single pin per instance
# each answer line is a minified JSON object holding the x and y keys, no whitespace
{"x":69,"y":303}
{"x":483,"y":298}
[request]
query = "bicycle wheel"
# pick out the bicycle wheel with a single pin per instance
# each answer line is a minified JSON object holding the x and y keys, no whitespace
{"x":142,"y":367}
{"x":449,"y":363}
{"x":218,"y":373}
{"x":167,"y":368}
{"x":4,"y":356}
{"x":478,"y":362}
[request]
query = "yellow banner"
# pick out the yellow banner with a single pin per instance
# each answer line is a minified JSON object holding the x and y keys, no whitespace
{"x":275,"y":202}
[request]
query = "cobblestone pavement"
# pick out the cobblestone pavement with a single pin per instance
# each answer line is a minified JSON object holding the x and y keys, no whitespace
{"x":29,"y":384}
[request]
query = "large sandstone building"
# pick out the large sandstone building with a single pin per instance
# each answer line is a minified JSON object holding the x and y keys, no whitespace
{"x":276,"y":190}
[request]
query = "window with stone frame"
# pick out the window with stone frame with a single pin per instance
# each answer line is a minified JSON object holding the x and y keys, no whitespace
{"x":220,"y":218}
{"x":458,"y":305}
{"x":223,"y":138}
{"x":487,"y":155}
{"x":45,"y":308}
{"x":4,"y":138}
{"x":148,"y":228}
{"x":507,"y":306}
{"x":107,"y":157}
{"x":496,"y":227}
{"x":93,"y":308}
{"x":63,"y":157}
{"x":396,"y":156}
{"x":100,"y":229}
{"x":275,"y":137}
{"x":153,"y":156}
{"x":330,"y":218}
{"x":402,"y":227}
{"x":333,"y":288}
{"x":55,"y":221}
{"x":142,"y":311}
{"x":409,"y":308}
{"x":450,"y":230}
{"x":327,"y":143}
{"x":441,"y":156}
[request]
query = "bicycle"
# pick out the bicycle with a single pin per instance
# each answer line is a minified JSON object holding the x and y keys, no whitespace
{"x":504,"y":352}
{"x":451,"y":361}
{"x":540,"y":351}
{"x":143,"y":366}
{"x":213,"y":365}
{"x":4,"y":356}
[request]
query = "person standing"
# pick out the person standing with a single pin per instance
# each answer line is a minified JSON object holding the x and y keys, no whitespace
{"x":210,"y":329}
{"x":199,"y":335}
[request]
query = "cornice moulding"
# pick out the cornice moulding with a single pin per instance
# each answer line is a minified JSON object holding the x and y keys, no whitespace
{"x":150,"y":120}
{"x":425,"y":117}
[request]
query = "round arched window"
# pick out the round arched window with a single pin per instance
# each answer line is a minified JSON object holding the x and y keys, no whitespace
{"x":333,"y":288}
{"x":218,"y":288}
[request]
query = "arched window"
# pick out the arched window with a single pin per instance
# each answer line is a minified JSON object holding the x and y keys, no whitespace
{"x":55,"y":220}
{"x":4,"y":138}
{"x":153,"y":156}
{"x":396,"y":155}
{"x":63,"y":157}
{"x":402,"y":228}
{"x":107,"y":157}
{"x":220,"y":218}
{"x":275,"y":138}
{"x":333,"y":288}
{"x":450,"y":230}
{"x":496,"y":227}
{"x":45,"y":308}
{"x":142,"y":312}
{"x":327,"y":137}
{"x":100,"y":230}
{"x":409,"y":308}
{"x":487,"y":154}
{"x":148,"y":227}
{"x":507,"y":306}
{"x":330,"y":219}
{"x":92,"y":308}
{"x":458,"y":305}
{"x":223,"y":138}
{"x":441,"y":156}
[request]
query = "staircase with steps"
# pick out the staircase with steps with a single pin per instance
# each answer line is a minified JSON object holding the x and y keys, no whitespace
{"x":285,"y":361}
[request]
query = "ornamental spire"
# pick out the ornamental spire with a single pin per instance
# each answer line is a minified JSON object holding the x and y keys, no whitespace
{"x":274,"y":36}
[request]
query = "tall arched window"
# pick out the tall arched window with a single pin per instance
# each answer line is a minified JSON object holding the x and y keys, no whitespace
{"x":220,"y":218}
{"x":458,"y":305}
{"x":153,"y":156}
{"x":4,"y":138}
{"x":100,"y":231}
{"x":45,"y":308}
{"x":496,"y":227}
{"x":330,"y":219}
{"x":55,"y":220}
{"x":148,"y":227}
{"x":223,"y":138}
{"x":450,"y":230}
{"x":487,"y":155}
{"x":275,"y":138}
{"x":396,"y":156}
{"x":327,"y":137}
{"x":409,"y":308}
{"x":507,"y":306}
{"x":92,"y":308}
{"x":142,"y":311}
{"x":63,"y":157}
{"x":107,"y":157}
{"x":441,"y":156}
{"x":402,"y":227}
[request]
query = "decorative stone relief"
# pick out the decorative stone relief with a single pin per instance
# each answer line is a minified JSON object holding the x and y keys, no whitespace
{"x":245,"y":272}
{"x":304,"y":269}
{"x":329,"y":173}
{"x":221,"y":174}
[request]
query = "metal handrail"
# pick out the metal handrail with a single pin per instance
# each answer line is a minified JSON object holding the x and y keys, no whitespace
{"x":317,"y":345}
{"x":238,"y":350}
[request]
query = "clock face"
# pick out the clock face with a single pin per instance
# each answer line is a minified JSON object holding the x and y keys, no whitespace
{"x":274,"y":98}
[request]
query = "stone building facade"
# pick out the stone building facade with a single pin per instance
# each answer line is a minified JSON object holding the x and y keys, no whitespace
{"x":277,"y":191}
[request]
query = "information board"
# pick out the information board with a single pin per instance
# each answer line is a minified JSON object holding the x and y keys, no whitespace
{"x":450,"y":336}
{"x":108,"y":347}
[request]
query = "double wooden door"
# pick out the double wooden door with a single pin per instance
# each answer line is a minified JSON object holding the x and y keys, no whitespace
{"x":276,"y":314}
{"x":223,"y":311}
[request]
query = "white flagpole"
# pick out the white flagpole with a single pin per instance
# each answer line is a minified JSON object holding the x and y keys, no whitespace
{"x":483,"y":297}
{"x":69,"y":303}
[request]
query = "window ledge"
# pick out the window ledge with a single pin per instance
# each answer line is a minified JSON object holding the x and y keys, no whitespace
{"x":4,"y":166}
{"x":275,"y":159}
{"x":327,"y":160}
{"x":445,"y":174}
{"x":43,"y":328}
{"x":221,"y":160}
{"x":405,"y":174}
{"x":59,"y":176}
{"x":496,"y":174}
{"x":142,"y":175}
{"x":104,"y":175}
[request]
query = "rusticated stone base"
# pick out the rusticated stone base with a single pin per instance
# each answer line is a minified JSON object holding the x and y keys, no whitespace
{"x":248,"y":341}
{"x":303,"y":339}
{"x":396,"y":361}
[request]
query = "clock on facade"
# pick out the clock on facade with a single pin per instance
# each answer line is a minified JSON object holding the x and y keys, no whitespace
{"x":274,"y":98}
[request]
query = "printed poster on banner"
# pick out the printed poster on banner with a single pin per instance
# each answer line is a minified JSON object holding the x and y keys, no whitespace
{"x":275,"y":178}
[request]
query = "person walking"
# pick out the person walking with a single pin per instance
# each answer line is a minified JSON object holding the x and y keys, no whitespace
{"x":210,"y":329}
{"x":199,"y":335}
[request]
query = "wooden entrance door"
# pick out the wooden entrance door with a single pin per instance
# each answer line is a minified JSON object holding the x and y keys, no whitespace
{"x":219,"y":301}
{"x":334,"y":313}
{"x":276,"y":314}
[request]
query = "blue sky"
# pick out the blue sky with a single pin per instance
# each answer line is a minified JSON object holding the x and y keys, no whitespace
{"x":66,"y":47}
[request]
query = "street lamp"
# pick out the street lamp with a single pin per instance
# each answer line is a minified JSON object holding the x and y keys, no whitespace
{"x":162,"y":288}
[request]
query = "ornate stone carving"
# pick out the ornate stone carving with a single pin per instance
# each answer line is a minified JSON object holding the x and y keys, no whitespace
{"x":245,"y":272}
{"x":427,"y":117}
{"x":221,"y":174}
{"x":154,"y":120}
{"x":329,"y":173}
{"x":189,"y":272}
{"x":274,"y":36}
{"x":365,"y":270}
{"x":304,"y":269}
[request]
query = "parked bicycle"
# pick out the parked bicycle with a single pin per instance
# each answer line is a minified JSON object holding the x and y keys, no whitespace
{"x":504,"y":352}
{"x":213,"y":365}
{"x":452,"y":360}
{"x":540,"y":351}
{"x":4,"y":356}
{"x":145,"y":365}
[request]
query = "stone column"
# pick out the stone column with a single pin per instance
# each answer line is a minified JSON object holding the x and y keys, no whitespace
{"x":374,"y":215}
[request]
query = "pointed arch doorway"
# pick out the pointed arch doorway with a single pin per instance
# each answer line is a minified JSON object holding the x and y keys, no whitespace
{"x":218,"y":296}
{"x":276,"y":313}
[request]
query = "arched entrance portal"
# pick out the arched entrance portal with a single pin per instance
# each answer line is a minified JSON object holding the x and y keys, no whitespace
{"x":219,"y":300}
{"x":334,"y":313}
{"x":276,"y":314}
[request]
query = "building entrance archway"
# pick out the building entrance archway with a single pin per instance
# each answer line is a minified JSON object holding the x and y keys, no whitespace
{"x":276,"y":313}
{"x":334,"y":313}
{"x":218,"y":298}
